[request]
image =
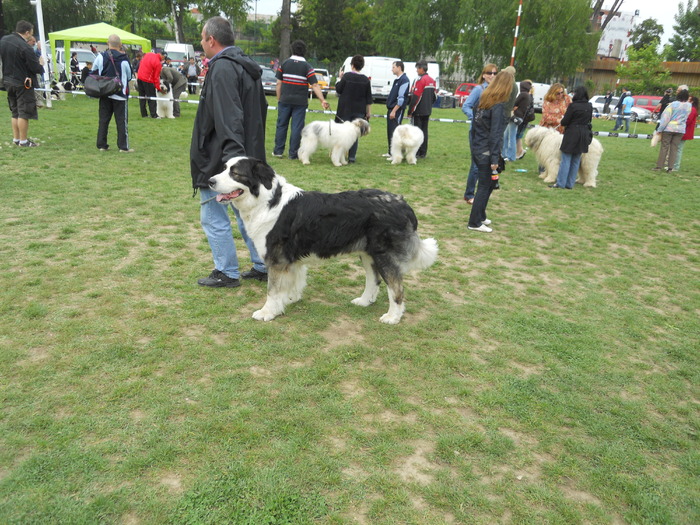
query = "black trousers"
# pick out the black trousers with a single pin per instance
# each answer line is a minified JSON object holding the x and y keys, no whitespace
{"x":422,"y":121}
{"x":120,"y":110}
{"x":483,"y":192}
{"x":392,"y":124}
{"x":146,"y":89}
{"x":192,"y":90}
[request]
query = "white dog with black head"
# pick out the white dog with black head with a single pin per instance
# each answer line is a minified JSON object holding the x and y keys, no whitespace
{"x":165,"y":100}
{"x":338,"y":138}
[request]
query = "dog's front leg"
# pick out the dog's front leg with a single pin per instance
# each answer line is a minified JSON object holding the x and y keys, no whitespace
{"x":276,"y":296}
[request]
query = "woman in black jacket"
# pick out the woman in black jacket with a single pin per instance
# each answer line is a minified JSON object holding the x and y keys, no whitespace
{"x":577,"y":137}
{"x":355,"y":100}
{"x":488,"y":125}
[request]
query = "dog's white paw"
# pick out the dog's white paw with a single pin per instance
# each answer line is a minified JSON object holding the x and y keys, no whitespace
{"x":396,"y":161}
{"x":305,"y":162}
{"x":263,"y":315}
{"x":388,"y":318}
{"x":361,"y":301}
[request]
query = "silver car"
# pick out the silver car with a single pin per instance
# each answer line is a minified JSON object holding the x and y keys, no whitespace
{"x":638,"y":113}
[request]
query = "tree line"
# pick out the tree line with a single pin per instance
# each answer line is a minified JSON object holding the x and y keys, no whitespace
{"x":555,"y":38}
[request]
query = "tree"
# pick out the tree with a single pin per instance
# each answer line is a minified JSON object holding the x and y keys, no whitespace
{"x":644,"y":72}
{"x":685,"y":44}
{"x":553,"y":41}
{"x":647,"y":33}
{"x":414,"y":29}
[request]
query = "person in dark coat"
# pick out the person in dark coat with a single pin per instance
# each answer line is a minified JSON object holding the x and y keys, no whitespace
{"x":230,"y":122}
{"x":577,"y":137}
{"x":355,"y":100}
{"x":488,"y":124}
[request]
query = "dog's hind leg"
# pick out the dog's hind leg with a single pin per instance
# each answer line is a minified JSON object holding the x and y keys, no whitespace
{"x":397,"y":306}
{"x":372,"y":280}
{"x":393,"y":278}
{"x":307,"y":148}
{"x":411,"y":155}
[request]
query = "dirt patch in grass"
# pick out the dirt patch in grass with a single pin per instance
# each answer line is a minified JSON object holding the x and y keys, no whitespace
{"x":342,"y":332}
{"x":416,"y":468}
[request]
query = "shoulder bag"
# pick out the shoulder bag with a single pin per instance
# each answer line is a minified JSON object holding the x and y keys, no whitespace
{"x":97,"y":86}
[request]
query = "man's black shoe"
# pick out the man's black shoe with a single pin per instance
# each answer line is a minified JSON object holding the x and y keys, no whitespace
{"x":254,"y":274}
{"x":219,"y":279}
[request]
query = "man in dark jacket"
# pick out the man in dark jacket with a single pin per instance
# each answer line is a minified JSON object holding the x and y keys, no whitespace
{"x":396,"y":101}
{"x":421,"y":107}
{"x":20,"y":66}
{"x":230,"y":122}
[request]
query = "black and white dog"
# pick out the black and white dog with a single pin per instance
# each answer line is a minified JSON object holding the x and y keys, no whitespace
{"x":291,"y":227}
{"x":165,"y":100}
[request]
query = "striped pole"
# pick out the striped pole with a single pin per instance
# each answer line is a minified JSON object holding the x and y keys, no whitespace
{"x":517,"y":30}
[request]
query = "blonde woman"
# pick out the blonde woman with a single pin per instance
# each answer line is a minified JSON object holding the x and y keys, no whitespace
{"x":488,"y":124}
{"x":554,"y":107}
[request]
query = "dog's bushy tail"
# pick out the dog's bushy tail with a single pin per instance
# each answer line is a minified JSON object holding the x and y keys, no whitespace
{"x":424,"y":255}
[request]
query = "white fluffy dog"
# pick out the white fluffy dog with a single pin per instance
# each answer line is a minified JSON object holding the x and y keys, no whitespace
{"x":545,"y":142}
{"x":338,"y":138}
{"x":165,"y":100}
{"x":405,"y":142}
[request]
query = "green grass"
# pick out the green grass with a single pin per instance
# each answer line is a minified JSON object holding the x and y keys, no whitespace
{"x":544,"y":373}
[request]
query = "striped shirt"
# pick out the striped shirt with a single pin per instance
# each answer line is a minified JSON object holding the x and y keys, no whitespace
{"x":296,"y":75}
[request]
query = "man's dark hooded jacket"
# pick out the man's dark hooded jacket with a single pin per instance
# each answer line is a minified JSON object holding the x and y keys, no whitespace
{"x":230,"y":119}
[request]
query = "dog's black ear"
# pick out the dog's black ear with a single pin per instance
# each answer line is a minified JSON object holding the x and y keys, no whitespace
{"x":263,"y":172}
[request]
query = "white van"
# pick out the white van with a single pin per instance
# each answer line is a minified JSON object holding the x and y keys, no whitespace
{"x":179,"y":53}
{"x":538,"y":95}
{"x":433,"y":71}
{"x":378,"y":69}
{"x":84,"y":56}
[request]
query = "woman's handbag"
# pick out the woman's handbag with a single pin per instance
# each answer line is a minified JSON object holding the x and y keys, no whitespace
{"x":655,"y":139}
{"x":97,"y":86}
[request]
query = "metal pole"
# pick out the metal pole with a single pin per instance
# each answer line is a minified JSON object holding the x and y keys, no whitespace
{"x":40,"y":27}
{"x":517,"y":30}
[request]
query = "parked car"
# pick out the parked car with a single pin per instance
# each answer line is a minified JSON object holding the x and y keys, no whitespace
{"x":84,"y":56}
{"x":638,"y":113}
{"x":269,"y":81}
{"x":648,"y":102}
{"x":463,"y":91}
{"x":325,"y":74}
{"x":322,"y":83}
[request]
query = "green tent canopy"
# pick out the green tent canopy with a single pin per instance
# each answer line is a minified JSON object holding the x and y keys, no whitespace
{"x":93,"y":33}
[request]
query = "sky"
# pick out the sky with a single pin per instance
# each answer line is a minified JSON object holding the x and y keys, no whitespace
{"x":662,"y":11}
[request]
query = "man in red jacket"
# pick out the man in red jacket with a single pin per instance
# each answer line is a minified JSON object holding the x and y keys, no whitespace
{"x":149,"y":82}
{"x":421,"y":105}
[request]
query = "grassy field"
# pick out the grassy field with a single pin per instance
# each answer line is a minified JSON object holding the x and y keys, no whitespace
{"x":544,"y":373}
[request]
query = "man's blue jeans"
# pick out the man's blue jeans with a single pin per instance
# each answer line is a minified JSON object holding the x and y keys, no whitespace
{"x":216,"y":223}
{"x":285,"y":113}
{"x":509,"y":138}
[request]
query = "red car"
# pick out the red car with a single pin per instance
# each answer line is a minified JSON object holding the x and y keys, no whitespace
{"x":462,"y":92}
{"x":648,"y":102}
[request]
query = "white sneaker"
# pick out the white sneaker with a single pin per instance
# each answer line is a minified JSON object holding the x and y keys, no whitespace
{"x":386,"y":155}
{"x":486,"y":222}
{"x":482,"y":228}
